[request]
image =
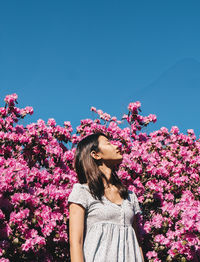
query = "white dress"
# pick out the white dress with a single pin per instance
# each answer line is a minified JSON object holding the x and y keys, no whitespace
{"x":108,"y":234}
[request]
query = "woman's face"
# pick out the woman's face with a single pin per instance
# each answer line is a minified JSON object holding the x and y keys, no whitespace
{"x":109,"y":152}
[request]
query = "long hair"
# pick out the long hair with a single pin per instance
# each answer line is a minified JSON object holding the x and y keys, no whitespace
{"x":88,"y":171}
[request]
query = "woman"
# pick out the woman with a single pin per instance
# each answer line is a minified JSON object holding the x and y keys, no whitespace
{"x":102,"y":211}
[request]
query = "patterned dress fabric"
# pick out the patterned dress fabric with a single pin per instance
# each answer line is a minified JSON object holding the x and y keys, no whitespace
{"x":108,"y":232}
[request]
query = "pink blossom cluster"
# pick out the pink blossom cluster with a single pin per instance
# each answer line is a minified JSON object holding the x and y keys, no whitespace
{"x":37,"y":175}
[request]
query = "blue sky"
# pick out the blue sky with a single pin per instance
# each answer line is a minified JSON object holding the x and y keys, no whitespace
{"x":62,"y":57}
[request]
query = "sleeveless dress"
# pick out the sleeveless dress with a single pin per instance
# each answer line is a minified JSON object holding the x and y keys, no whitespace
{"x":108,"y":232}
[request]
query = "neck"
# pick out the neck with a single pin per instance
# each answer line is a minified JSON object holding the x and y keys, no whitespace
{"x":107,"y":171}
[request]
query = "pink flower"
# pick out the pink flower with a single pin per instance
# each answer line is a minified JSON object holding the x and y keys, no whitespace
{"x":2,"y":111}
{"x":190,"y":131}
{"x":164,"y":130}
{"x":114,"y":118}
{"x":169,"y":196}
{"x":151,"y":254}
{"x":93,"y":109}
{"x":174,"y":130}
{"x":147,"y":227}
{"x":10,"y":99}
{"x":157,"y":221}
{"x":162,"y":240}
{"x":125,"y":116}
{"x":152,"y":118}
{"x":134,"y":106}
{"x":31,"y":242}
{"x":4,"y":260}
{"x":29,"y":110}
{"x":2,"y":216}
{"x":100,"y":112}
{"x":51,"y":122}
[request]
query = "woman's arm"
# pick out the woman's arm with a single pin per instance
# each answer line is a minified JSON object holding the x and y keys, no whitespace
{"x":76,"y":229}
{"x":135,"y":226}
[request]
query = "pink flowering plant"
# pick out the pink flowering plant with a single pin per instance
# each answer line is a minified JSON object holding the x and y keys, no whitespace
{"x":37,"y":175}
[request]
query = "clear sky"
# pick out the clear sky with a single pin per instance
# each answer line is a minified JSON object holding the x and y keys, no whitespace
{"x":62,"y":57}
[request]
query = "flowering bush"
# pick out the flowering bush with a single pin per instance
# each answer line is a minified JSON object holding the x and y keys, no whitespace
{"x":36,"y":178}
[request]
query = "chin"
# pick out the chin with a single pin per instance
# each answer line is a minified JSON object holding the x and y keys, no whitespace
{"x":121,"y":157}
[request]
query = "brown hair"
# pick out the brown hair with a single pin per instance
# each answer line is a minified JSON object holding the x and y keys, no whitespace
{"x":88,"y":171}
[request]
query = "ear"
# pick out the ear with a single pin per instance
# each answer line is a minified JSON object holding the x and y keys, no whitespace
{"x":95,"y":155}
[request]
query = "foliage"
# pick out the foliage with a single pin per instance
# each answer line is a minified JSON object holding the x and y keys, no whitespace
{"x":36,"y":177}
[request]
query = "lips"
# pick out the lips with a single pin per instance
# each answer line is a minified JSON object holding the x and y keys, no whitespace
{"x":119,"y":152}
